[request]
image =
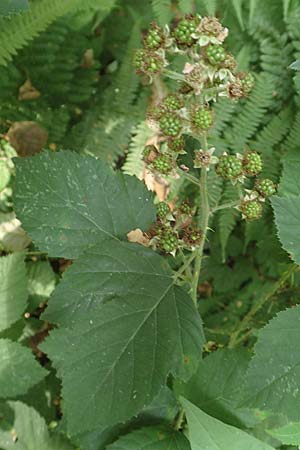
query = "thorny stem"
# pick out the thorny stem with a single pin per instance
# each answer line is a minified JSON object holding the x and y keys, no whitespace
{"x":235,"y":338}
{"x":203,"y":223}
{"x":188,"y":176}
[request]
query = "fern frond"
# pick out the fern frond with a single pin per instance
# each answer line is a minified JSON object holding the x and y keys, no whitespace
{"x":249,"y":120}
{"x":17,"y":31}
{"x":274,"y":132}
{"x":223,"y":111}
{"x":134,"y":164}
{"x":293,"y":139}
{"x":207,"y":6}
{"x":186,"y":6}
{"x":227,"y":218}
{"x":162,"y":11}
{"x":214,"y":188}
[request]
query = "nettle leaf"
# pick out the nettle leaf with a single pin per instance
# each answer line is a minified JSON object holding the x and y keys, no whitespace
{"x":288,"y":434}
{"x":13,"y":289}
{"x":206,"y":432}
{"x":8,"y":7}
{"x":135,"y":327}
{"x":67,"y":202}
{"x":216,"y":387}
{"x":19,"y":371}
{"x":273,"y":378}
{"x":152,"y":438}
{"x":29,"y":431}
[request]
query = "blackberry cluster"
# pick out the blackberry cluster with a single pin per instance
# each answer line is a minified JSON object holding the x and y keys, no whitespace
{"x":265,"y":187}
{"x":202,"y":119}
{"x":252,"y":209}
{"x":163,"y":164}
{"x":185,"y":29}
{"x":215,"y":54}
{"x":170,"y":124}
{"x":252,"y":164}
{"x":229,"y":167}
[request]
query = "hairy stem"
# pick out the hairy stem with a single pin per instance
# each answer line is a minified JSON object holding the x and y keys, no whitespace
{"x":224,"y":206}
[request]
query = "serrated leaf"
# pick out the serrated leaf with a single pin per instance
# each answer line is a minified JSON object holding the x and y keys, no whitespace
{"x":152,"y":438}
{"x":8,"y":7}
{"x":29,"y":431}
{"x":19,"y":371}
{"x":287,"y":218}
{"x":208,"y":433}
{"x":137,"y":328}
{"x":67,"y":202}
{"x":288,"y":434}
{"x":13,"y":289}
{"x":216,"y":387}
{"x":290,"y":180}
{"x":273,"y":379}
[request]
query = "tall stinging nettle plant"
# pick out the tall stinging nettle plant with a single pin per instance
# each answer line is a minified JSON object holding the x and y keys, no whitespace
{"x":128,"y":336}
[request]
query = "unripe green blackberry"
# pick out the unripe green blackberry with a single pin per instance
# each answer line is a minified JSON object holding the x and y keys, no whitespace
{"x":265,"y":187}
{"x":193,"y":237}
{"x":252,"y":209}
{"x":148,"y":62}
{"x":170,"y":124}
{"x":185,"y":208}
{"x":172,"y":102}
{"x":168,"y":241}
{"x":154,"y":38}
{"x":202,"y":119}
{"x":176,"y":145}
{"x":215,"y":54}
{"x":163,"y":164}
{"x":248,"y":82}
{"x":184,"y":30}
{"x":229,"y":167}
{"x":162,"y":210}
{"x":252,"y":164}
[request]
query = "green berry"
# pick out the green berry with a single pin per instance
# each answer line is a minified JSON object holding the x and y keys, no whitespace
{"x":172,"y":102}
{"x":183,"y":33}
{"x":265,"y":187}
{"x":202,"y":119}
{"x":163,"y":164}
{"x":176,"y":145}
{"x":162,"y":210}
{"x":169,"y":241}
{"x":154,"y":38}
{"x":185,"y":208}
{"x":193,"y":237}
{"x":170,"y":124}
{"x":252,"y":164}
{"x":229,"y":167}
{"x":248,"y":82}
{"x":252,"y":209}
{"x":215,"y":54}
{"x":148,"y":62}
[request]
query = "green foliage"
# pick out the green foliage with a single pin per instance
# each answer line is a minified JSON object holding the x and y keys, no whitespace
{"x":85,"y":220}
{"x":19,"y":371}
{"x":13,"y":290}
{"x":9,"y":7}
{"x":207,"y":432}
{"x":100,"y":337}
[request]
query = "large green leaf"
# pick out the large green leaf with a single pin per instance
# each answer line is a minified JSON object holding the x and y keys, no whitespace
{"x":288,"y":434}
{"x":208,"y":433}
{"x":67,"y":202}
{"x":216,"y":387}
{"x":273,"y":378}
{"x":29,"y":432}
{"x":8,"y":7}
{"x":287,"y":218}
{"x":287,"y":206}
{"x":152,"y":438}
{"x":18,"y":370}
{"x":124,"y":347}
{"x":13,"y":289}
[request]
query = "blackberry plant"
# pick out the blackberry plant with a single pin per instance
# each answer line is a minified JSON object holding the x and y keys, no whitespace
{"x":149,"y":277}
